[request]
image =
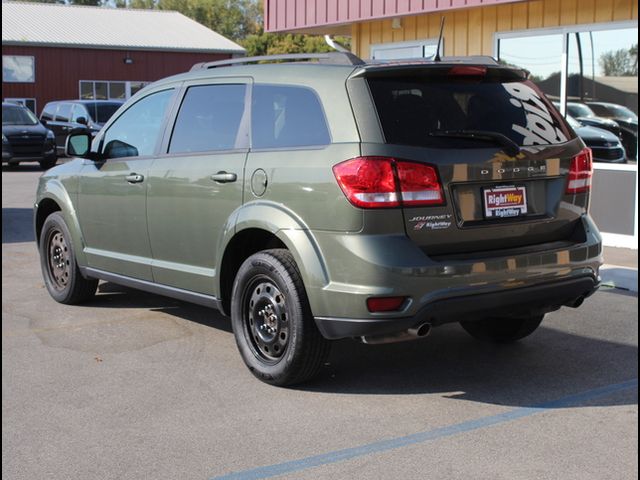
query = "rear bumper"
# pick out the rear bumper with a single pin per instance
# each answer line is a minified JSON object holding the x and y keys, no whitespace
{"x":514,"y":303}
{"x":522,"y":281}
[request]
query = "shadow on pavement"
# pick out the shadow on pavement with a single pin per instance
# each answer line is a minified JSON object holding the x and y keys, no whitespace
{"x":547,"y":365}
{"x":17,"y":225}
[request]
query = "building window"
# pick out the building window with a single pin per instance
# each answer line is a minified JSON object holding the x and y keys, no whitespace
{"x":414,"y":49}
{"x":18,"y":69}
{"x":589,"y":71}
{"x":105,"y":90}
{"x":30,"y":103}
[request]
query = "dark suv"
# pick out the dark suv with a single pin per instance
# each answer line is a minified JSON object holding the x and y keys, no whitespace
{"x":66,"y":115}
{"x":25,"y":139}
{"x":318,"y":201}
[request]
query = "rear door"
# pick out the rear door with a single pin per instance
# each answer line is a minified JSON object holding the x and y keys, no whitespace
{"x":196,"y":184}
{"x":501,"y":150}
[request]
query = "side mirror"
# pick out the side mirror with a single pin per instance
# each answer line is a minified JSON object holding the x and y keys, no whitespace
{"x":43,"y":122}
{"x":78,"y":144}
{"x":81,"y":120}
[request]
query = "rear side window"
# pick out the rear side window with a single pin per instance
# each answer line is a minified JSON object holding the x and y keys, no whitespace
{"x":49,"y":111}
{"x":64,"y":112}
{"x":423,"y":111}
{"x":209,"y":119}
{"x":283,"y":117}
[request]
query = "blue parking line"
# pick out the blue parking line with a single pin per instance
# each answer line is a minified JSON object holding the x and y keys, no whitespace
{"x":394,"y":443}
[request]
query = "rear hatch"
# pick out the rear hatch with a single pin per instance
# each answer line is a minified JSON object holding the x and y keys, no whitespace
{"x":510,"y":171}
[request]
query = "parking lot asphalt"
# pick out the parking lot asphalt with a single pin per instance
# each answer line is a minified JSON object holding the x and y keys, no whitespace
{"x":137,"y":386}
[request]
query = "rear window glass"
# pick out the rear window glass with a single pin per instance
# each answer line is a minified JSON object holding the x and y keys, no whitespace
{"x":422,"y":112}
{"x":101,"y":112}
{"x":209,"y":119}
{"x":284,"y":116}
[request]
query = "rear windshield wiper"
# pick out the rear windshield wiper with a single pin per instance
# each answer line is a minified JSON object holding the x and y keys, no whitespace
{"x":511,"y":147}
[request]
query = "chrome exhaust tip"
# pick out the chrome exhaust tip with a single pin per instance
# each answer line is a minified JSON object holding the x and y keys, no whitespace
{"x":414,"y":333}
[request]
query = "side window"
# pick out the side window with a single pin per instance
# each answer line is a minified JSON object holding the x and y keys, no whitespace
{"x":136,"y":131}
{"x":287,"y":117}
{"x":209,"y":119}
{"x":79,"y":111}
{"x":64,"y":111}
{"x":49,"y":111}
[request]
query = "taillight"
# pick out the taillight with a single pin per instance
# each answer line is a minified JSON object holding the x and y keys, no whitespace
{"x":580,"y":172}
{"x":419,"y":184}
{"x":375,"y":182}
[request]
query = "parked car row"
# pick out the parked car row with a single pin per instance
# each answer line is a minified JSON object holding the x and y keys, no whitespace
{"x":64,"y":116}
{"x":25,"y":138}
{"x":619,"y":120}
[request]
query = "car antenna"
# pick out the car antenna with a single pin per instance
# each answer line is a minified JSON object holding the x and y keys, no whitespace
{"x":437,"y":57}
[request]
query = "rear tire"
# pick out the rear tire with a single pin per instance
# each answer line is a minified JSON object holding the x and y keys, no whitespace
{"x":272,"y":322}
{"x":60,"y":271}
{"x":502,"y":330}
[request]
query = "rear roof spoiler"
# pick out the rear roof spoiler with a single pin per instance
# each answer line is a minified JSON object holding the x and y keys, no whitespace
{"x":397,"y":67}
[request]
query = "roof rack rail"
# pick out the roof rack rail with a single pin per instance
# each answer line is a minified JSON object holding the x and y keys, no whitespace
{"x":335,"y":58}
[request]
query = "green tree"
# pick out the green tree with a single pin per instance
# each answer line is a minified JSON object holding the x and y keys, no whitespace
{"x":620,"y":63}
{"x":274,"y":44}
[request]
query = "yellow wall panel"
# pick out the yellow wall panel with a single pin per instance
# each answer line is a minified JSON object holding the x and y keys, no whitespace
{"x":409,"y":27}
{"x":622,"y":9}
{"x":585,"y":13}
{"x":422,"y":27}
{"x":603,"y":11}
{"x":519,"y":16}
{"x":474,"y":39}
{"x":489,"y":22}
{"x":504,"y":17}
{"x":551,"y":14}
{"x":568,"y":12}
{"x":461,"y":31}
{"x":471,"y":31}
{"x":536,"y":14}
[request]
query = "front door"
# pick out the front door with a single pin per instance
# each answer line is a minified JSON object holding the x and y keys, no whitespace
{"x":112,"y":191}
{"x":195,"y":186}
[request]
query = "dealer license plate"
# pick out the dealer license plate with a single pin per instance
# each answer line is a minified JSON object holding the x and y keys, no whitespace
{"x":505,"y":202}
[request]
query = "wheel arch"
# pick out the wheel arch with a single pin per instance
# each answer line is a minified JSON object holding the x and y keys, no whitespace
{"x":55,"y":198}
{"x":261,"y":226}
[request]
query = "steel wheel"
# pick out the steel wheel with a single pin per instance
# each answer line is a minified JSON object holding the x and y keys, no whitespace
{"x":272,"y":322}
{"x":60,"y":272}
{"x":266,"y":320}
{"x":58,"y":259}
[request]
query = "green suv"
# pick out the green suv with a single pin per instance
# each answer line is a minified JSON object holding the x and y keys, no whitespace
{"x":330,"y":198}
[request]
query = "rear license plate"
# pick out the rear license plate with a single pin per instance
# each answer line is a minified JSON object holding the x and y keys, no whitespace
{"x":505,"y":201}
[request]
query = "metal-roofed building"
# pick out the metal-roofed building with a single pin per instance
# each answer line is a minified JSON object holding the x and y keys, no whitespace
{"x":52,"y":52}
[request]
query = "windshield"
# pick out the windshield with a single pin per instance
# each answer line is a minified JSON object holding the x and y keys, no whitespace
{"x":579,"y":110}
{"x":573,"y":122}
{"x":425,"y":111}
{"x":18,"y":116}
{"x":101,"y":112}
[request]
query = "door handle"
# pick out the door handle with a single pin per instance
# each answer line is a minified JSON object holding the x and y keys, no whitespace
{"x":135,"y":178}
{"x":224,"y":177}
